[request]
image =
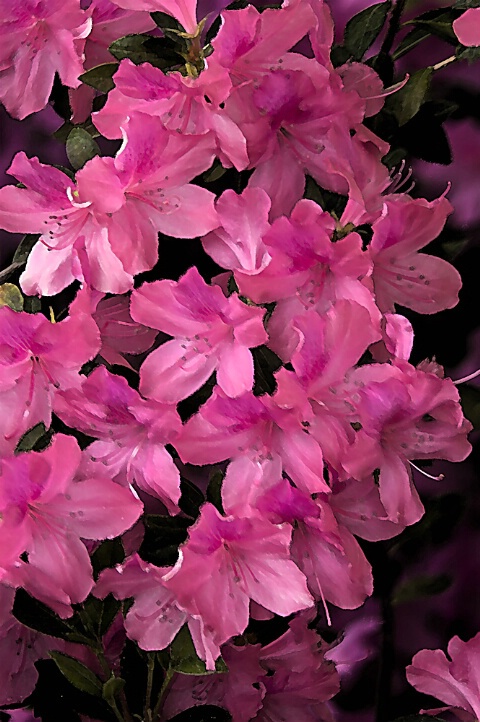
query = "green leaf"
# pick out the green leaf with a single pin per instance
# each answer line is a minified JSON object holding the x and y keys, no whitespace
{"x":410,"y":41}
{"x":470,"y":398}
{"x":184,"y":658}
{"x":407,"y":101}
{"x":191,"y":499}
{"x":100,"y":77}
{"x":11,"y":296}
{"x":81,"y":148}
{"x":111,"y":689}
{"x":108,"y":554}
{"x":363,"y":29}
{"x":163,"y":536}
{"x":466,"y":4}
{"x":30,"y":439}
{"x":146,"y":49}
{"x":339,"y":55}
{"x":35,"y":615}
{"x":440,"y":28}
{"x":420,"y":587}
{"x":98,"y":614}
{"x":471,"y":55}
{"x":214,"y":490}
{"x":77,"y":674}
{"x":24,"y":248}
{"x":165,"y":21}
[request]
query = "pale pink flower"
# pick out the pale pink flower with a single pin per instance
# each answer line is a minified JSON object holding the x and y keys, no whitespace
{"x":233,"y":560}
{"x":38,"y":39}
{"x":104,"y":229}
{"x":132,"y":433}
{"x":401,"y":275}
{"x":467,"y":27}
{"x":45,"y":512}
{"x":455,"y":682}
{"x":210,"y":333}
{"x":37,"y":358}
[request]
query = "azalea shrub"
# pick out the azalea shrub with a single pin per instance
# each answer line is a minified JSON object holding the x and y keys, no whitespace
{"x":216,"y":431}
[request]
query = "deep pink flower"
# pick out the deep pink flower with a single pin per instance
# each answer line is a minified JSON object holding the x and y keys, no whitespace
{"x":211,"y":332}
{"x":179,"y":102}
{"x":109,"y":23}
{"x":405,"y":414}
{"x":45,"y":512}
{"x":454,"y":682}
{"x":132,"y":433}
{"x":184,"y":11}
{"x":20,"y":648}
{"x":38,"y":357}
{"x":38,"y":39}
{"x":424,"y":283}
{"x":104,"y":229}
{"x":233,"y":560}
{"x":260,"y":436}
{"x":155,"y":616}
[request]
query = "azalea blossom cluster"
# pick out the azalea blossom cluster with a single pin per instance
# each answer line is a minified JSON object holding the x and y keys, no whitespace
{"x":311,"y":420}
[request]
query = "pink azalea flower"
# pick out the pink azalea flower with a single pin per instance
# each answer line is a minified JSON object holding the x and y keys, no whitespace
{"x":234,"y":560}
{"x":260,"y":436}
{"x":38,"y":357}
{"x":211,"y":332}
{"x":132,"y":433}
{"x":467,"y":27}
{"x":249,"y":43}
{"x":454,"y":682}
{"x":155,"y":617}
{"x":20,"y":648}
{"x":104,"y":228}
{"x":238,"y":243}
{"x":109,"y":23}
{"x":181,"y":104}
{"x":247,"y":691}
{"x":120,"y":334}
{"x":184,"y":11}
{"x":405,"y":413}
{"x":45,"y":512}
{"x":39,"y":39}
{"x":327,"y":553}
{"x":424,"y":283}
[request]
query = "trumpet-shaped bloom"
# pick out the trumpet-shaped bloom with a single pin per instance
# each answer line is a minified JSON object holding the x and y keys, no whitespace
{"x":37,"y":358}
{"x":104,"y":228}
{"x":233,"y":560}
{"x":186,"y":106}
{"x":45,"y":512}
{"x":182,"y":10}
{"x":39,"y":39}
{"x":454,"y":682}
{"x":405,"y":413}
{"x":132,"y":432}
{"x":211,"y":332}
{"x":425,"y":283}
